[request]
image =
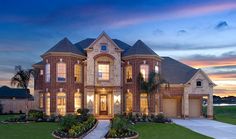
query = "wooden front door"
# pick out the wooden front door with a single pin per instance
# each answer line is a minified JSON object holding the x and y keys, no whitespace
{"x":103,"y":107}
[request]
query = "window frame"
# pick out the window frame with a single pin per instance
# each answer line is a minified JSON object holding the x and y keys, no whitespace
{"x":60,"y":96}
{"x":47,"y":73}
{"x":108,"y":64}
{"x":144,"y":76}
{"x":197,"y":81}
{"x":41,"y":100}
{"x":126,"y":76}
{"x":146,"y":99}
{"x":60,"y":73}
{"x":128,"y":95}
{"x":77,"y":95}
{"x":79,"y":74}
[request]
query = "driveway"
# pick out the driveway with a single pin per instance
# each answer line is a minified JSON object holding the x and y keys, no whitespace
{"x":209,"y":128}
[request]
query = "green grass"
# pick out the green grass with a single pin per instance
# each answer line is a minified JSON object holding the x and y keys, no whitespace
{"x":165,"y":131}
{"x":225,"y":114}
{"x":26,"y":131}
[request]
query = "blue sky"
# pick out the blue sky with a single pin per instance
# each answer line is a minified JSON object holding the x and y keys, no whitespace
{"x":197,"y":32}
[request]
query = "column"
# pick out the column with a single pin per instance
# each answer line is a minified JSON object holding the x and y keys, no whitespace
{"x":186,"y":105}
{"x":210,"y":106}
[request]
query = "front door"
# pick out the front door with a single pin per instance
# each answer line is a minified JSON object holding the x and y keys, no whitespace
{"x":103,"y":105}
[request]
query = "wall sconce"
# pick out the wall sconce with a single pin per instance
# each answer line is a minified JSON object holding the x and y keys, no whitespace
{"x":90,"y":99}
{"x":117,"y":99}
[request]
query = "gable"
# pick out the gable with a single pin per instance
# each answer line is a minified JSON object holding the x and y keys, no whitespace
{"x":201,"y":75}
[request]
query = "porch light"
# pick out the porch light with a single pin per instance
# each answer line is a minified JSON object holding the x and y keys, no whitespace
{"x":117,"y":99}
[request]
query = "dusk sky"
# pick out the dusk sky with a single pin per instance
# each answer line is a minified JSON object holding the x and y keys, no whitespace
{"x":201,"y":33}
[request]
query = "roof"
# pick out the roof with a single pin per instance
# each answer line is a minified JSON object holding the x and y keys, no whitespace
{"x":9,"y":93}
{"x":139,"y":48}
{"x":40,"y":63}
{"x":175,"y":72}
{"x":65,"y":46}
{"x":86,"y":43}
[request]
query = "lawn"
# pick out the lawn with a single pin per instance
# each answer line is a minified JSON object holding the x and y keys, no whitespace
{"x":165,"y":131}
{"x":225,"y":114}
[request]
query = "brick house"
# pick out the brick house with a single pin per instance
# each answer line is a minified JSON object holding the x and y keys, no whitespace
{"x":101,"y":75}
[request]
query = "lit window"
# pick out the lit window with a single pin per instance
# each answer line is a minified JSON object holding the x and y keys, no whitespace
{"x":77,"y":101}
{"x":156,"y":69}
{"x":77,"y":73}
{"x":129,"y":102}
{"x":144,"y":70}
{"x":47,"y":108}
{"x":47,"y":72}
{"x":143,"y":103}
{"x":41,"y":72}
{"x":61,"y":103}
{"x":41,"y":100}
{"x":199,"y":83}
{"x":103,"y":48}
{"x":128,"y":74}
{"x":61,"y":72}
{"x":103,"y":72}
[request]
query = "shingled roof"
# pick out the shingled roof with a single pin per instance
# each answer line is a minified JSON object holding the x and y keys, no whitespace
{"x":175,"y":72}
{"x":139,"y":48}
{"x":9,"y":93}
{"x":86,"y":43}
{"x":65,"y":46}
{"x":39,"y":63}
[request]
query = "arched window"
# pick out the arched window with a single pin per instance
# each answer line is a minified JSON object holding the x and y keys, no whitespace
{"x":199,"y":83}
{"x":77,"y":101}
{"x":78,"y":73}
{"x":47,"y":73}
{"x":128,"y":73}
{"x":61,"y":72}
{"x":129,"y":102}
{"x":40,"y":100}
{"x":47,"y":108}
{"x":61,"y":103}
{"x":143,"y":103}
{"x":144,"y":70}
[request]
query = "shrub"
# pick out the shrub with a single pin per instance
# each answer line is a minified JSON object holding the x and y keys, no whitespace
{"x":67,"y":122}
{"x":160,"y":118}
{"x":35,"y":115}
{"x":83,"y":114}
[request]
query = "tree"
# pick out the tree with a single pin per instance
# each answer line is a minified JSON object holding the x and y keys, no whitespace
{"x":151,"y":86}
{"x":22,"y":77}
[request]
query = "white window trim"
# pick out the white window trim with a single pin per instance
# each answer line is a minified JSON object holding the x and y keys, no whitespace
{"x":57,"y":72}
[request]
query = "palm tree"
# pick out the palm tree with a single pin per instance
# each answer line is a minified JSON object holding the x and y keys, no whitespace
{"x":22,"y":77}
{"x":151,"y":86}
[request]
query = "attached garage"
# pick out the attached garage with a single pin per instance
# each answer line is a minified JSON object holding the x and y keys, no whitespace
{"x":195,"y":108}
{"x":170,"y":107}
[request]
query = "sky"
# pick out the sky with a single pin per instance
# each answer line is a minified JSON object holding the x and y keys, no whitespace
{"x":200,"y":33}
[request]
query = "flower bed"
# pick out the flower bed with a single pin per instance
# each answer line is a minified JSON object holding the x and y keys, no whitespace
{"x":18,"y":119}
{"x":70,"y":128}
{"x":119,"y":129}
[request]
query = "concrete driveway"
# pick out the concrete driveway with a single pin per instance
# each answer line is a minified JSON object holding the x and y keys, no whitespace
{"x":209,"y":128}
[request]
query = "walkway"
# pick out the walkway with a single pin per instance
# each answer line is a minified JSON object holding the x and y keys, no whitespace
{"x":209,"y":128}
{"x":100,"y":131}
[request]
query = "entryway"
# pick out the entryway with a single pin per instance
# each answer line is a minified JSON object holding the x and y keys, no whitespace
{"x":103,"y":106}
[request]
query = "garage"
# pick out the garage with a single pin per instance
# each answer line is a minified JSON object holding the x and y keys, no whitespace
{"x":170,"y":107}
{"x":195,"y":108}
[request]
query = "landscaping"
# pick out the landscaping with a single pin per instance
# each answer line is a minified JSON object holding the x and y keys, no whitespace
{"x":226,"y":114}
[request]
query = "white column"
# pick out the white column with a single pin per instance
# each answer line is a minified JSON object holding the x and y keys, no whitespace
{"x":210,"y":106}
{"x":186,"y":104}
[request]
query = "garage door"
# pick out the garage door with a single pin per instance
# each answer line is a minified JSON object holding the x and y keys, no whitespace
{"x":195,"y":108}
{"x":170,"y":107}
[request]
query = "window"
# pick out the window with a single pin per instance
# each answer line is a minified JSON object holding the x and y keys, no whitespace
{"x":40,"y":100}
{"x":77,"y":73}
{"x":103,"y":48}
{"x":61,"y":72}
{"x":129,"y":102}
{"x":77,"y":101}
{"x":41,"y":72}
{"x":199,"y":83}
{"x":103,"y":72}
{"x":128,"y":73}
{"x":47,"y":72}
{"x":144,"y":70}
{"x":143,"y":103}
{"x":156,"y":69}
{"x":61,"y":103}
{"x":47,"y":108}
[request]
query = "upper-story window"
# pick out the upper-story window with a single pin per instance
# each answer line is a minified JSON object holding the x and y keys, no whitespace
{"x":61,"y":72}
{"x":156,"y":69}
{"x":199,"y":83}
{"x":128,"y":73}
{"x":47,"y":73}
{"x":144,"y":70}
{"x":41,"y":72}
{"x":78,"y":73}
{"x":103,"y":71}
{"x":103,"y":48}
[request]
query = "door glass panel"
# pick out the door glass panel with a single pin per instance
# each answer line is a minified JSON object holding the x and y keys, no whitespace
{"x":103,"y":105}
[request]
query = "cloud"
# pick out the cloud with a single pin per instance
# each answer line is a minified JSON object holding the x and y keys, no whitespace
{"x":222,"y":25}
